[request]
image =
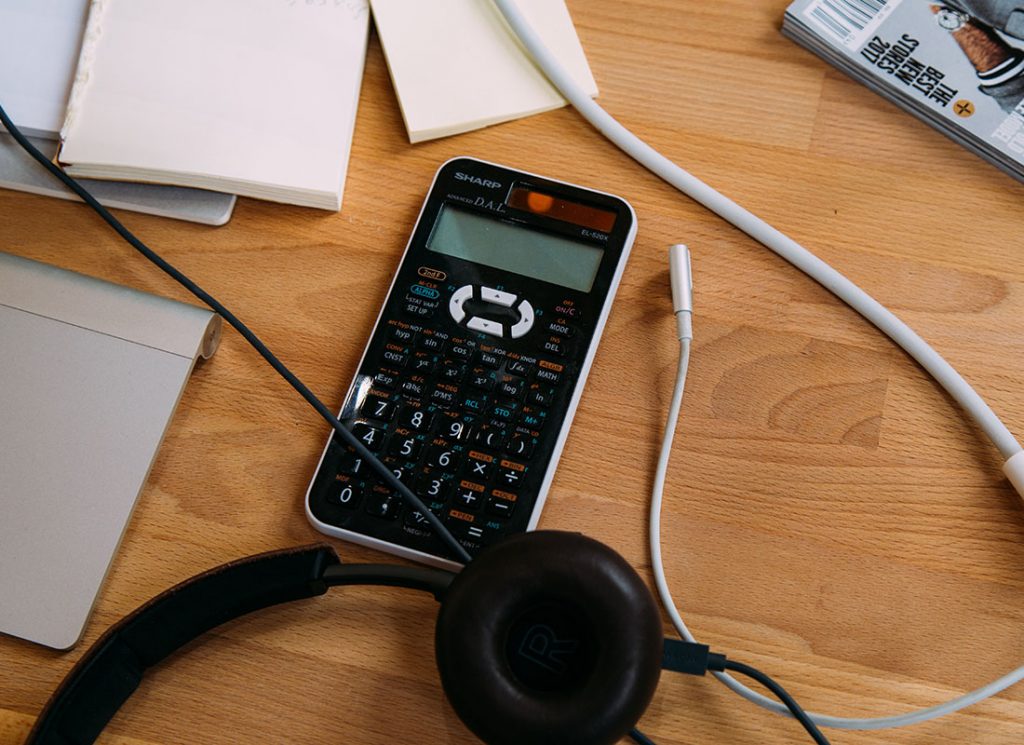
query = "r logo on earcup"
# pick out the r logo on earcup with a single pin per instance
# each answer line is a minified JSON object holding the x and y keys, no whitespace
{"x":551,"y":647}
{"x":542,"y":647}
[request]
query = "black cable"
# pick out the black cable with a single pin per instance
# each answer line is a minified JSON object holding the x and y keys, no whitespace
{"x":791,"y":704}
{"x":382,"y":470}
{"x":640,"y":737}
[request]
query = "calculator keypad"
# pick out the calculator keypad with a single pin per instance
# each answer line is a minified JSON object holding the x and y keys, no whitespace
{"x":457,"y":419}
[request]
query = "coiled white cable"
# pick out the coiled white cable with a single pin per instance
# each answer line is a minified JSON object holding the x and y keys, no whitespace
{"x":682,"y":290}
{"x":843,"y":288}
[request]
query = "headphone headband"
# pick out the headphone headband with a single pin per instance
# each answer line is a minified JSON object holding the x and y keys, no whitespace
{"x":114,"y":666}
{"x":569,"y":635}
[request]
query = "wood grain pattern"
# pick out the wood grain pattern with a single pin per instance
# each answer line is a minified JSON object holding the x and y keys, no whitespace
{"x":831,"y":516}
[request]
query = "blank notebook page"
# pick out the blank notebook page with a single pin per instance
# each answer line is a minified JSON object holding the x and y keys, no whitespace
{"x":457,"y":66}
{"x":39,"y":41}
{"x":258,"y":94}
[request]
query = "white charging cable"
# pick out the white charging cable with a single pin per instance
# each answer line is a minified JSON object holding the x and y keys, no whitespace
{"x":843,"y":288}
{"x":682,"y":305}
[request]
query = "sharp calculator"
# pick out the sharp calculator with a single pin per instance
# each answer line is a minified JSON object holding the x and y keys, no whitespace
{"x":471,"y":377}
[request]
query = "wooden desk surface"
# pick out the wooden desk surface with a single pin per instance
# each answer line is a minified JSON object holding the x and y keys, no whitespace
{"x":831,"y":516}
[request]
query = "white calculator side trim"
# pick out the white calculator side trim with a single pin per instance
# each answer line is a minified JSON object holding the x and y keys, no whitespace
{"x":556,"y":453}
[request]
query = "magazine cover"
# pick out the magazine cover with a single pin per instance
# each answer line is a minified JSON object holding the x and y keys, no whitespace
{"x":958,"y":64}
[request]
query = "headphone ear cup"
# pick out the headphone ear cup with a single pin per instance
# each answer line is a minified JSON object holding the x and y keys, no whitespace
{"x":549,"y":637}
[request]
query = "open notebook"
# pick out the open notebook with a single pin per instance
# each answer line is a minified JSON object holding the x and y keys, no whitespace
{"x":252,"y":97}
{"x":39,"y":46}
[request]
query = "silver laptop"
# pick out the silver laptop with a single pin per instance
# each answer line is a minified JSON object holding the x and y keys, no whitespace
{"x":90,"y":374}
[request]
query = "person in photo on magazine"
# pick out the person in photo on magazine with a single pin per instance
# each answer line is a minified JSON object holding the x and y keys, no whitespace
{"x":979,"y":26}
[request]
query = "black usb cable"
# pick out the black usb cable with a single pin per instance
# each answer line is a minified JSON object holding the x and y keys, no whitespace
{"x":691,"y":658}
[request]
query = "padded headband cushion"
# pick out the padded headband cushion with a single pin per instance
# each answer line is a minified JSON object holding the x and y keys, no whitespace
{"x":113,"y":667}
{"x":549,"y":637}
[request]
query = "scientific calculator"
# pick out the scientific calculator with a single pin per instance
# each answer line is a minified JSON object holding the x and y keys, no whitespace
{"x":471,"y":377}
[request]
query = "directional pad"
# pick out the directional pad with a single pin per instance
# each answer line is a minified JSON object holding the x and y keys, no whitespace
{"x":492,"y":312}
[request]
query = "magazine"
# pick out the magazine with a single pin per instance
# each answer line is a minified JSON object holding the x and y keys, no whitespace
{"x":956,"y":64}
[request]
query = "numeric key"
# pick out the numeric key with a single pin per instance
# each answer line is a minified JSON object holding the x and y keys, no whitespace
{"x":443,"y":457}
{"x":433,"y":487}
{"x":375,"y":407}
{"x":345,"y":492}
{"x":351,"y":463}
{"x":371,"y":437}
{"x":417,"y":419}
{"x":451,"y":427}
{"x":406,"y":446}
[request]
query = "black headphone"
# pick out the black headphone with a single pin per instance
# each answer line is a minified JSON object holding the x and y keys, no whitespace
{"x":546,"y":637}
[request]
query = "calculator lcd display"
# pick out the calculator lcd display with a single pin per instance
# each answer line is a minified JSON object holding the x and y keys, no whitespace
{"x":513,"y":248}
